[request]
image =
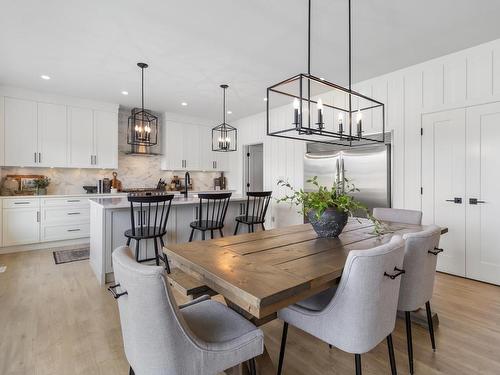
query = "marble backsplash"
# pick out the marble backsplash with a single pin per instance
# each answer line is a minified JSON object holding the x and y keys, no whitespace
{"x":133,"y":172}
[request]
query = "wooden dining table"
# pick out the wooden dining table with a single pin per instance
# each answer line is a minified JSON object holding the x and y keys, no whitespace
{"x":260,"y":273}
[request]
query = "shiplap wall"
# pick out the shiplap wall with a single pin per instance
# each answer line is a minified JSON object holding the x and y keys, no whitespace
{"x":462,"y":79}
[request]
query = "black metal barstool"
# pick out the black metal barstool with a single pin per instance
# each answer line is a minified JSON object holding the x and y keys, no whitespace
{"x":256,"y":209}
{"x":211,"y":214}
{"x":149,"y":215}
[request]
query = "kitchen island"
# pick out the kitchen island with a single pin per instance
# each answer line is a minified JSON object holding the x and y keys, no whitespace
{"x":110,"y":218}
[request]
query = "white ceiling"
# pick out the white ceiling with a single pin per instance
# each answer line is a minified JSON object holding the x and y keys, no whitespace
{"x":90,"y":47}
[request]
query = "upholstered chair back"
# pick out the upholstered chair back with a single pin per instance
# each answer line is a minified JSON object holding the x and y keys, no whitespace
{"x":398,"y":215}
{"x":155,"y":337}
{"x":417,"y":284}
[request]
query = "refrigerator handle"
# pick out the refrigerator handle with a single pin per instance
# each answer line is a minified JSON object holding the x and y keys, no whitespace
{"x":343,"y":174}
{"x":337,"y":175}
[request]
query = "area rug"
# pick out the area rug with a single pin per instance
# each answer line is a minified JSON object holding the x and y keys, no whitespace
{"x":72,"y":255}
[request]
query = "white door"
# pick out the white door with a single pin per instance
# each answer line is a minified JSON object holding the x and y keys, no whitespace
{"x":20,"y":132}
{"x":52,"y":135}
{"x":106,"y":139}
{"x":80,"y":137}
{"x":20,"y":226}
{"x":443,"y":182}
{"x":254,"y":168}
{"x":483,"y":189}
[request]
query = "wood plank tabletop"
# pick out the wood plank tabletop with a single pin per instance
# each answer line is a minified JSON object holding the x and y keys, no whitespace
{"x":265,"y":271}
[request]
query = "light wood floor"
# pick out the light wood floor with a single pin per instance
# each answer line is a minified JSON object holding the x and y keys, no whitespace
{"x":57,"y":320}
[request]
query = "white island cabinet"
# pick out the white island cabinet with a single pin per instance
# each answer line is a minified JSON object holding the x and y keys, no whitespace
{"x":110,"y":218}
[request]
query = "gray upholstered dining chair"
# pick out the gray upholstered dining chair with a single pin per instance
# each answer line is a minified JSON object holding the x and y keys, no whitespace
{"x":398,"y":215}
{"x":362,"y":312}
{"x":202,"y":337}
{"x":417,"y":284}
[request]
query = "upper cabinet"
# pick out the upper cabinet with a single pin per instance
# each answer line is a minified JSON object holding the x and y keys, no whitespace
{"x":39,"y":134}
{"x":189,"y":147}
{"x":20,"y":132}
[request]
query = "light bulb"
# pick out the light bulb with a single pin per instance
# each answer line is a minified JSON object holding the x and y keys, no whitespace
{"x":359,"y":116}
{"x":296,"y":103}
{"x":319,"y":105}
{"x":341,"y":117}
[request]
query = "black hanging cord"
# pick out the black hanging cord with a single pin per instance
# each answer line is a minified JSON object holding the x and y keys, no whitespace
{"x":350,"y":73}
{"x":142,"y":87}
{"x":309,"y":39}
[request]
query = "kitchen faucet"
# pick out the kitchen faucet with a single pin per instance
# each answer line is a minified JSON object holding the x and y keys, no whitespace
{"x":187,"y":181}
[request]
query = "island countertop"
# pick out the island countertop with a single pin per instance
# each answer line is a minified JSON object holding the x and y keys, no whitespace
{"x":122,"y":202}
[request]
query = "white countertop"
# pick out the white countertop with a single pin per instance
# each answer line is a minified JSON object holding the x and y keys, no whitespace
{"x":109,"y":195}
{"x":122,"y":202}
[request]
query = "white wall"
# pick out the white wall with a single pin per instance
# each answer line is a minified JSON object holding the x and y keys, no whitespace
{"x":462,"y":79}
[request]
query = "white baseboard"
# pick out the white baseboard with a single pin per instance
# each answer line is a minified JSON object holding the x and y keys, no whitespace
{"x":44,"y":245}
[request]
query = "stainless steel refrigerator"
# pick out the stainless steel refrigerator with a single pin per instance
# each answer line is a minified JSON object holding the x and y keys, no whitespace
{"x":367,"y":167}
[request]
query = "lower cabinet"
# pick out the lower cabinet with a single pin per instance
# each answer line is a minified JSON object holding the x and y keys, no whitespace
{"x":20,"y":221}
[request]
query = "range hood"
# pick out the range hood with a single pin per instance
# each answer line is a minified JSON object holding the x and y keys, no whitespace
{"x":141,"y":150}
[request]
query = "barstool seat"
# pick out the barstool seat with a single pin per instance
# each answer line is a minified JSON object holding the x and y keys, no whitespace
{"x":144,"y":233}
{"x":256,"y":209}
{"x":206,"y":225}
{"x":249,"y":219}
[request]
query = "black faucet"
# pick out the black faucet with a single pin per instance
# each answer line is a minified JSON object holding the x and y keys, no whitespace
{"x":187,"y":181}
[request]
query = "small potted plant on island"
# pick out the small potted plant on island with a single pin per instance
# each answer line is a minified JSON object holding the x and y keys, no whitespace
{"x":41,"y":185}
{"x":328,"y":208}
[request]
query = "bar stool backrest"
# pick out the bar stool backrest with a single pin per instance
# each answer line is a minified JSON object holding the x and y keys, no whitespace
{"x":257,"y":204}
{"x":153,"y":212}
{"x":213,"y":207}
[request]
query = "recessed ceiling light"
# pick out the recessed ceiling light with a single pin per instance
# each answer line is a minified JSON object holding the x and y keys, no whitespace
{"x":265,"y":99}
{"x":124,"y":92}
{"x":184,"y":104}
{"x":45,"y":77}
{"x":229,"y":112}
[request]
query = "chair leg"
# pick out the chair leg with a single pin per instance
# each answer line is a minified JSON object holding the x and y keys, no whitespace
{"x":157,"y":254}
{"x":236,"y":229}
{"x":203,"y":235}
{"x":220,"y":231}
{"x":212,"y":234}
{"x":392,"y":358}
{"x":162,"y":243}
{"x":249,"y":228}
{"x":128,"y":241}
{"x":131,"y":371}
{"x":431,"y":324}
{"x":251,"y":365}
{"x":282,"y":349}
{"x":357,"y":362}
{"x":263,"y":227}
{"x":409,"y":340}
{"x":330,"y":346}
{"x":191,"y":235}
{"x":137,"y":248}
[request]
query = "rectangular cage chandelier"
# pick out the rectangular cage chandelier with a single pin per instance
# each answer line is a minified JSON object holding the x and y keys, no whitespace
{"x":308,"y":108}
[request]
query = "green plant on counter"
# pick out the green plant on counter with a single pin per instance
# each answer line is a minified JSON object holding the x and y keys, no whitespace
{"x":339,"y":196}
{"x":42,"y":182}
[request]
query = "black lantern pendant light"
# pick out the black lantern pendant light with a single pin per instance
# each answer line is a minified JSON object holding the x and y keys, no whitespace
{"x":224,"y":136}
{"x":321,"y":111}
{"x":142,"y":124}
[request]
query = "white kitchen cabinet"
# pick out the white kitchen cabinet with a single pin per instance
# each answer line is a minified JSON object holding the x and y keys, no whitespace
{"x":2,"y":134}
{"x":173,"y":157}
{"x":190,"y":146}
{"x":105,"y":137}
{"x":20,"y":132}
{"x":20,"y":221}
{"x":81,"y":138}
{"x":52,"y":135}
{"x":211,"y":160}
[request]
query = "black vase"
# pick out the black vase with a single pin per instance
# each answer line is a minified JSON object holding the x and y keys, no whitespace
{"x":330,"y":223}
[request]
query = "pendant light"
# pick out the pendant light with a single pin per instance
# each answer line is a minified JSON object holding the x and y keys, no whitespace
{"x":142,"y":124}
{"x":316,"y":110}
{"x":224,"y":136}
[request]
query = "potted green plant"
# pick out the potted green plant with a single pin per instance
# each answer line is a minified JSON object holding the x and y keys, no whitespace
{"x":328,"y":208}
{"x":41,"y":185}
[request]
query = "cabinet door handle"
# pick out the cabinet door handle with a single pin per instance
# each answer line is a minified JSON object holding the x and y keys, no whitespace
{"x":95,"y":159}
{"x":74,"y":213}
{"x":39,"y":157}
{"x":38,"y":216}
{"x":21,"y":202}
{"x":35,"y":156}
{"x":475,"y":201}
{"x":73,"y":230}
{"x":455,"y":200}
{"x":73,"y":200}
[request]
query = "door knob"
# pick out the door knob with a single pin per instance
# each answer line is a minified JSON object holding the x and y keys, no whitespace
{"x":455,"y":200}
{"x":475,"y":201}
